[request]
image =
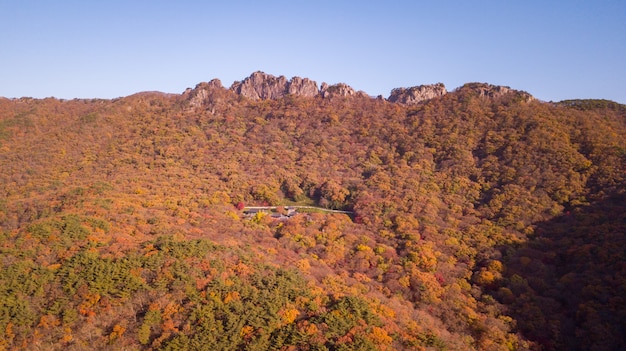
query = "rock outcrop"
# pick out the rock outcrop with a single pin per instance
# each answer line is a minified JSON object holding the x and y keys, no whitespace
{"x":302,"y":87}
{"x":417,"y":94}
{"x":486,"y":90}
{"x":263,"y":86}
{"x":340,"y":89}
{"x":203,"y":93}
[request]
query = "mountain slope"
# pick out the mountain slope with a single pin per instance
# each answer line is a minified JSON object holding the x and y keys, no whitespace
{"x":119,"y":224}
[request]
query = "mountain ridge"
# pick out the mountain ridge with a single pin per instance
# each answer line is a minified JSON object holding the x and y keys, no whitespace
{"x":473,"y":219}
{"x":263,"y":86}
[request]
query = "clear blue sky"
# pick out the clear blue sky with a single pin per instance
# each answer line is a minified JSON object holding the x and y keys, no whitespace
{"x":555,"y":50}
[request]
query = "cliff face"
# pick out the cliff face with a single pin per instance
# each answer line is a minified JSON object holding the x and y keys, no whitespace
{"x":486,"y":90}
{"x":417,"y":94}
{"x":263,"y":86}
{"x":302,"y":87}
{"x":203,"y":93}
{"x":340,"y":89}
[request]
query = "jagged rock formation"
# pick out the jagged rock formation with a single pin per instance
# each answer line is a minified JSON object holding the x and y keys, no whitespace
{"x":302,"y":87}
{"x":486,"y":90}
{"x":417,"y":94}
{"x":203,"y":92}
{"x":263,"y":86}
{"x":340,"y":89}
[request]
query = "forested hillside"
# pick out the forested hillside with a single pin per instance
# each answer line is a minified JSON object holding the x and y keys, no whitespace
{"x":480,"y":222}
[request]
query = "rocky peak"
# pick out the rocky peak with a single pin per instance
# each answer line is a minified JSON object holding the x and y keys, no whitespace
{"x":490,"y":91}
{"x":302,"y":87}
{"x":203,"y":92}
{"x":486,"y":90}
{"x":340,"y":89}
{"x":261,"y":86}
{"x":417,"y":94}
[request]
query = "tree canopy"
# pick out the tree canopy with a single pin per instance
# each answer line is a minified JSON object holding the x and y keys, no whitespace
{"x":479,"y":223}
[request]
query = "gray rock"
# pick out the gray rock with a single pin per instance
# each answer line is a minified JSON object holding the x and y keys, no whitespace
{"x":302,"y":87}
{"x":340,"y":89}
{"x":417,"y":94}
{"x":261,"y":86}
{"x":485,"y":90}
{"x":202,"y":93}
{"x":258,"y":86}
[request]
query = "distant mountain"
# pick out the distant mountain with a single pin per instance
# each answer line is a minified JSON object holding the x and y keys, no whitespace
{"x":476,"y":219}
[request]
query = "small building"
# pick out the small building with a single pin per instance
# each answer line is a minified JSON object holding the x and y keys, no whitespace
{"x":279,"y":217}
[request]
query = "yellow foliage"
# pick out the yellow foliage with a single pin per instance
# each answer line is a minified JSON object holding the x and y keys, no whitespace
{"x":48,"y":321}
{"x":363,"y":247}
{"x":171,"y":309}
{"x":380,"y":337}
{"x":55,"y":266}
{"x":231,"y":296}
{"x":117,"y":331}
{"x":258,"y":217}
{"x":242,"y":269}
{"x":424,"y":257}
{"x":289,"y":315}
{"x":246,"y":331}
{"x":484,"y":277}
{"x":362,"y":278}
{"x":303,"y":265}
{"x":431,"y":290}
{"x":386,"y":311}
{"x":495,"y":266}
{"x":233,"y":215}
{"x":311,"y":329}
{"x":220,"y":197}
{"x":67,"y":335}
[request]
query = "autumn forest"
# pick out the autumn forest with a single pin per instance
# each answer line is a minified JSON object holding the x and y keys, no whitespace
{"x":475,"y":222}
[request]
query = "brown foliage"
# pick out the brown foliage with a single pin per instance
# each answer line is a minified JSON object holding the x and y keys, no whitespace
{"x":444,"y":193}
